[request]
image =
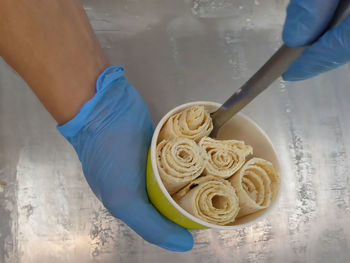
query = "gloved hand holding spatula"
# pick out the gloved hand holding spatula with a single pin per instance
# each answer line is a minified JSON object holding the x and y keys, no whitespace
{"x":306,"y":21}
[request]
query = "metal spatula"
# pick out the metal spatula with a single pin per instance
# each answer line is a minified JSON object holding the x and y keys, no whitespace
{"x":268,"y":73}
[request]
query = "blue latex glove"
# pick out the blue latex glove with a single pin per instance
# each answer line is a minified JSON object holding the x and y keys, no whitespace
{"x":306,"y":20}
{"x":111,"y":134}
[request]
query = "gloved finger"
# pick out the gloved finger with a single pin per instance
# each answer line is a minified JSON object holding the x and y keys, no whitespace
{"x":146,"y":221}
{"x":329,"y":52}
{"x":306,"y":20}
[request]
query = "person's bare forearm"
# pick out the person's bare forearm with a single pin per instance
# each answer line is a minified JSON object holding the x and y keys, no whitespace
{"x":53,"y":47}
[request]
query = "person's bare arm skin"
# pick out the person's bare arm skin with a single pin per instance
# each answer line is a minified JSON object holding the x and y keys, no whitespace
{"x":53,"y":47}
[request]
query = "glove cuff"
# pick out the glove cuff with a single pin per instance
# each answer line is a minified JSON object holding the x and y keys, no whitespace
{"x":103,"y":83}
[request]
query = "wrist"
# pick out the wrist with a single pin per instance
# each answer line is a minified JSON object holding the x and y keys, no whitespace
{"x":82,"y":84}
{"x":88,"y":110}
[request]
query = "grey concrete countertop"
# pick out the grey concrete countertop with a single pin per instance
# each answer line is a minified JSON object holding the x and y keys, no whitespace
{"x":175,"y":52}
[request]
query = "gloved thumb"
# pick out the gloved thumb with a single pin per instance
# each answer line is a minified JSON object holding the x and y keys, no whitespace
{"x":146,"y":221}
{"x":306,"y":20}
{"x":329,"y":52}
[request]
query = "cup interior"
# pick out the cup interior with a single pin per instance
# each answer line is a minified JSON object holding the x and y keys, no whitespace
{"x":240,"y":127}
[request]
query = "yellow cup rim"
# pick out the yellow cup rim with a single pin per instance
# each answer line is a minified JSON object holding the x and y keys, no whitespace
{"x":168,"y":196}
